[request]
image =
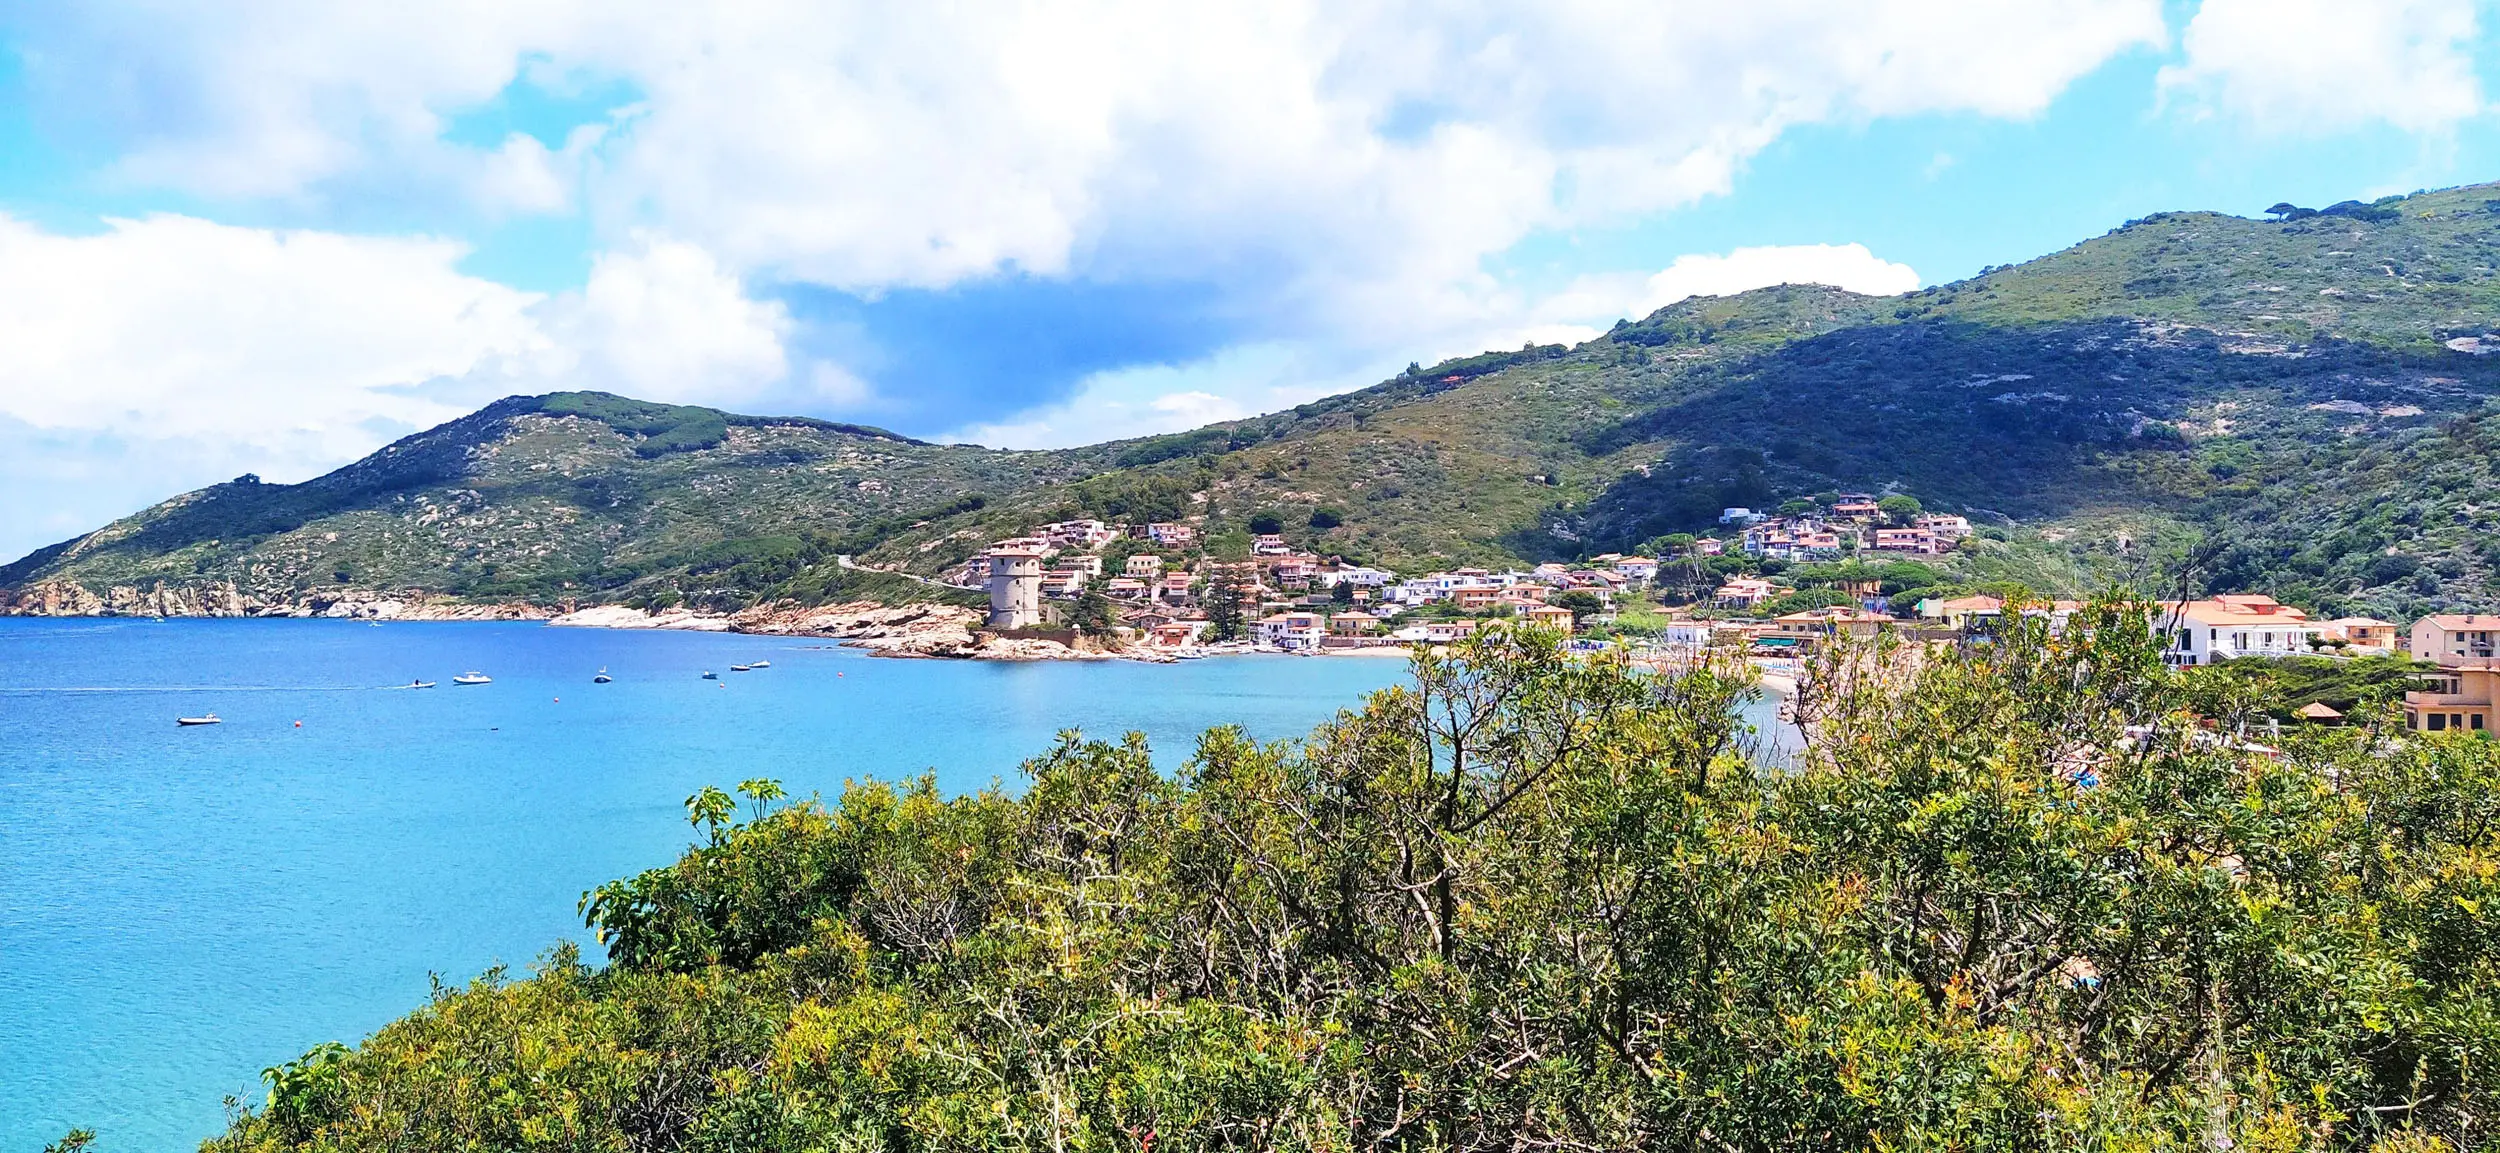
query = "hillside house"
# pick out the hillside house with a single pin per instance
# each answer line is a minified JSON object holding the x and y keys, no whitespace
{"x":1959,"y":612}
{"x":1738,"y":516}
{"x":1909,"y":540}
{"x":1171,"y":535}
{"x":1143,"y":566}
{"x":2463,"y":697}
{"x":1857,"y":508}
{"x":1079,"y":534}
{"x":1553,"y":617}
{"x":1946,"y":529}
{"x":2368,"y":633}
{"x":2226,"y":627}
{"x":2456,"y":638}
{"x":1353,"y":624}
{"x":1124,"y":589}
{"x":1443,"y":632}
{"x":1744,"y":592}
{"x":1637,"y":569}
{"x":1269,"y":544}
{"x":1292,"y":631}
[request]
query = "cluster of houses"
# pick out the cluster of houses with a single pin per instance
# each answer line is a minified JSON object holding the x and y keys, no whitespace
{"x":1854,"y":523}
{"x":1289,"y":599}
{"x":1295,"y":601}
{"x":2463,"y":693}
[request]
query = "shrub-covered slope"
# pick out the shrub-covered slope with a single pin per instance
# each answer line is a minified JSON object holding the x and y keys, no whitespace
{"x":1533,"y":902}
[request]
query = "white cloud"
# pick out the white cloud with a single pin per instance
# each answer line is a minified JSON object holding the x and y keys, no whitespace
{"x":1148,"y":399}
{"x":189,"y":351}
{"x":1343,"y":172}
{"x":1245,"y":381}
{"x":2312,"y":65}
{"x":1346,"y":157}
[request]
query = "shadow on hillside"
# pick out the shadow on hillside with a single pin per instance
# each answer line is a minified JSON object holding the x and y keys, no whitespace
{"x":2033,"y":421}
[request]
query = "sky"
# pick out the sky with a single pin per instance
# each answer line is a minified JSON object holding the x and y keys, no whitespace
{"x":269,"y":237}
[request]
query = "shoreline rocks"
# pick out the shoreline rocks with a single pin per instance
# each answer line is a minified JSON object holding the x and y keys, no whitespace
{"x":926,"y":630}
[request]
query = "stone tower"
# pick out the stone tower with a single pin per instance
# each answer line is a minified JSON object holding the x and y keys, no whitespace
{"x":1015,"y":586}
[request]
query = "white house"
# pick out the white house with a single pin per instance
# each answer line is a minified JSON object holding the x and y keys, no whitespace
{"x":2241,"y":625}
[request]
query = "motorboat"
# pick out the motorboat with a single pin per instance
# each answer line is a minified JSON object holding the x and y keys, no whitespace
{"x":709,"y":675}
{"x":420,"y":684}
{"x":761,"y":665}
{"x":602,"y":678}
{"x":473,"y":678}
{"x":740,"y":668}
{"x":210,"y":719}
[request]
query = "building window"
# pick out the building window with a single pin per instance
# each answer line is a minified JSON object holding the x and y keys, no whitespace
{"x":2439,"y":722}
{"x":2478,"y":721}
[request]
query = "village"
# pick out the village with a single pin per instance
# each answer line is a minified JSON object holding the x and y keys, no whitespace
{"x":1156,"y":590}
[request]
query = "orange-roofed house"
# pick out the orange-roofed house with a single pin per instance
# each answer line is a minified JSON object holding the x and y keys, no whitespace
{"x":1553,"y":617}
{"x":2363,"y":633}
{"x":2226,"y":627}
{"x":2456,"y":638}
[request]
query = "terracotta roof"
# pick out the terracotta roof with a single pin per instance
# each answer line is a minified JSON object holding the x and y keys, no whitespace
{"x":2463,"y":621}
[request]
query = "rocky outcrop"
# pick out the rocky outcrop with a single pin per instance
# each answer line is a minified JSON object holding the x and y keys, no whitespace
{"x":222,"y":599}
{"x":920,"y":630}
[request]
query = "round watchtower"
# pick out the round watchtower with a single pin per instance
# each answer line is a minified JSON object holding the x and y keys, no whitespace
{"x":1015,"y":587}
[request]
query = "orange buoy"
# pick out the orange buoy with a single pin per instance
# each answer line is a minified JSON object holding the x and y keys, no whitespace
{"x":299,"y":724}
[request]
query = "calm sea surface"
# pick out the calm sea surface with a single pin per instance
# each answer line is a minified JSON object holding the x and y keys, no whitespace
{"x":182,"y":907}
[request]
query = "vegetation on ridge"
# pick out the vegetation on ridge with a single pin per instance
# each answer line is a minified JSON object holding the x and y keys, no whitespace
{"x":1536,"y":902}
{"x":2299,"y":406}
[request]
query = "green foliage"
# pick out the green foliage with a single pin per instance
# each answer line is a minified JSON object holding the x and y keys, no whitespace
{"x":2004,"y":899}
{"x":2280,"y":686}
{"x":1582,"y":603}
{"x":659,"y":428}
{"x":1324,"y":518}
{"x":1805,"y":600}
{"x":74,"y":1141}
{"x":1900,"y":508}
{"x":1092,"y":613}
{"x":1224,"y":610}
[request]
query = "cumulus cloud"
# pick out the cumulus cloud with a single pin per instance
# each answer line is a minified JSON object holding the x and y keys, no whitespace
{"x":1340,"y":155}
{"x":2315,"y":65}
{"x":1148,"y":399}
{"x":1244,"y":381}
{"x":186,"y":351}
{"x":1342,"y":173}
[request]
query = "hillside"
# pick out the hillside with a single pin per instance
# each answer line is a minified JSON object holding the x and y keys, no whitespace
{"x":2301,"y":405}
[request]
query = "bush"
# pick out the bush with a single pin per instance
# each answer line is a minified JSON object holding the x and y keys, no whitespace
{"x":1530,"y":901}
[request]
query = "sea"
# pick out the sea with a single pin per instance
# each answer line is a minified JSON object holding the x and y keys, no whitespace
{"x":183,"y":907}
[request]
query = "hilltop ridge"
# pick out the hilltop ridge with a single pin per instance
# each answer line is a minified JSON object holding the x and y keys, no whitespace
{"x":2300,"y":403}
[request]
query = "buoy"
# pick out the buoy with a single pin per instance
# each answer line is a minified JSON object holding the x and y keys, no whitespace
{"x":559,"y":700}
{"x":299,"y":724}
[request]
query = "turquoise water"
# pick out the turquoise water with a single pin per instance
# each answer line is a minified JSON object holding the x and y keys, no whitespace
{"x":182,"y":907}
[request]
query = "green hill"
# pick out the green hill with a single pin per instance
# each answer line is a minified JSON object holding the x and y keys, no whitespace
{"x":2298,"y":405}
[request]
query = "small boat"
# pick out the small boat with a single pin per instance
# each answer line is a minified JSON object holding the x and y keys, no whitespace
{"x":709,"y":675}
{"x":761,"y":665}
{"x":210,"y":719}
{"x":473,"y":678}
{"x":602,"y":678}
{"x":420,"y":684}
{"x":740,"y":668}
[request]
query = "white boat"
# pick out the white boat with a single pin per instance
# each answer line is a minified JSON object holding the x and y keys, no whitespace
{"x":420,"y":684}
{"x":472,"y":678}
{"x":761,"y":665}
{"x":210,"y":719}
{"x":740,"y":668}
{"x":709,"y":675}
{"x":602,"y":678}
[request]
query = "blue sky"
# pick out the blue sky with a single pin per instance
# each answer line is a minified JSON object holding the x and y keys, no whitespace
{"x":273,"y":237}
